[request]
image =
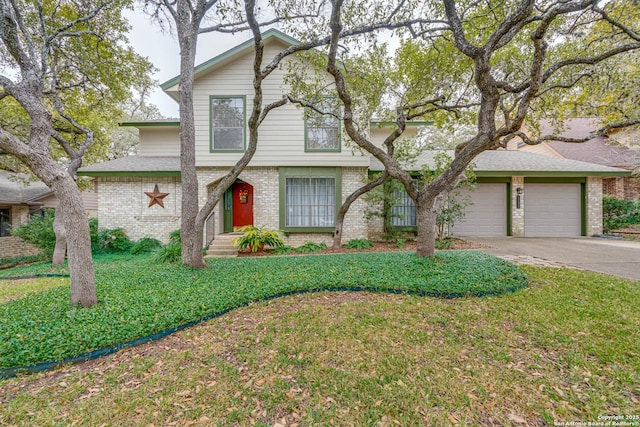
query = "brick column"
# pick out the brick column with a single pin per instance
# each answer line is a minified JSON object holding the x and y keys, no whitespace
{"x":517,"y":214}
{"x":594,"y":205}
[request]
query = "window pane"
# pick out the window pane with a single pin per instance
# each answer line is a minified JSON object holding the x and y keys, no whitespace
{"x":5,"y":224}
{"x":323,"y":130}
{"x":310,"y":202}
{"x":228,"y":123}
{"x":228,"y":139}
{"x":403,"y":214}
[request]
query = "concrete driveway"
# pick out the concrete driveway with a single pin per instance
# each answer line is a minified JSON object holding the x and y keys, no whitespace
{"x":616,"y":257}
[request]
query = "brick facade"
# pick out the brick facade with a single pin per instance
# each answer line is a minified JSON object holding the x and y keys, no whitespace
{"x":627,"y":187}
{"x":12,"y":246}
{"x":123,"y":204}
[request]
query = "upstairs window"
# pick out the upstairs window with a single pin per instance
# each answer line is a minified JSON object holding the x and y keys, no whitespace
{"x":228,"y":123}
{"x":322,"y":127}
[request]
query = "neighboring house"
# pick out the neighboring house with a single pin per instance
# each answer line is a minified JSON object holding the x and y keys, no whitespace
{"x":599,"y":150}
{"x":19,"y":199}
{"x":304,"y":168}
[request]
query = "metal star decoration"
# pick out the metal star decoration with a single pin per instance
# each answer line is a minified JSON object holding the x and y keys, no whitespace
{"x":155,"y":197}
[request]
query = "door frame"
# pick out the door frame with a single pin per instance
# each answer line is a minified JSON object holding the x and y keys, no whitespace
{"x":227,"y":207}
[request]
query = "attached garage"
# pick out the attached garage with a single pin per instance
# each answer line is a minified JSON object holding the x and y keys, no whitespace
{"x":524,"y":194}
{"x":486,"y":215}
{"x":552,"y":209}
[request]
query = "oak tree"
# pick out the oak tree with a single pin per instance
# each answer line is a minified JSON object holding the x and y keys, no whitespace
{"x":65,"y":69}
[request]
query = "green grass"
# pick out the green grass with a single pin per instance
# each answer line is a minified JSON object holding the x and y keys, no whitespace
{"x":138,"y":297}
{"x":13,"y":289}
{"x":563,"y":349}
{"x":19,"y":260}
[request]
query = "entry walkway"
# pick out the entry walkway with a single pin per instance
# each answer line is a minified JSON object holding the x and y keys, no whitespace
{"x":616,"y":257}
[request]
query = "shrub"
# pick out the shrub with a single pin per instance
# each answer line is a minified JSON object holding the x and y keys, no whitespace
{"x":171,"y":252}
{"x":619,"y":213}
{"x":39,"y":231}
{"x":144,"y":245}
{"x":114,"y":240}
{"x":444,"y":243}
{"x":283,"y":250}
{"x":93,"y":233}
{"x":311,"y":247}
{"x":256,"y":238}
{"x":359,"y":244}
{"x":400,"y":243}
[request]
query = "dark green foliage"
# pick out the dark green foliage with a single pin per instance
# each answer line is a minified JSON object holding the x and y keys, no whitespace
{"x":619,"y":213}
{"x":444,"y":243}
{"x":114,"y":240}
{"x":256,"y":238}
{"x":171,"y":253}
{"x":20,"y":260}
{"x":138,"y":297}
{"x":93,"y":233}
{"x":282,"y":250}
{"x":145,"y":245}
{"x":39,"y":231}
{"x":310,"y":246}
{"x":359,"y":244}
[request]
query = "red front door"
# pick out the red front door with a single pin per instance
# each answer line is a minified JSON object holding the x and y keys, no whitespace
{"x":242,"y":204}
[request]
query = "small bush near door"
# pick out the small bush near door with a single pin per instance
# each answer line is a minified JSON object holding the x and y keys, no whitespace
{"x":256,"y":238}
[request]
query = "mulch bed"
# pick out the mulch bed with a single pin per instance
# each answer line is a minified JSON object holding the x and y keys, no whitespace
{"x":456,"y":244}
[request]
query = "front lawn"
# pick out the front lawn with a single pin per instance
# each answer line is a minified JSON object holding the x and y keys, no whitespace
{"x":562,"y":351}
{"x":138,"y":297}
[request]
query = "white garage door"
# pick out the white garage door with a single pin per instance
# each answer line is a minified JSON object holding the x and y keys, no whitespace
{"x":552,"y":210}
{"x":487,"y":215}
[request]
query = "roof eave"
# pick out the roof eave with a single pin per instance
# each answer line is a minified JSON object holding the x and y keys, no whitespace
{"x":149,"y":124}
{"x":128,"y":173}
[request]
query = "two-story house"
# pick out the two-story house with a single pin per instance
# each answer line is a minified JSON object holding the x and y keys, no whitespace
{"x":304,"y":168}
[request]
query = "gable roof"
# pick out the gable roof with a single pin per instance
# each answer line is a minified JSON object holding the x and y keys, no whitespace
{"x":17,"y":189}
{"x":503,"y":163}
{"x":135,"y":166}
{"x":229,"y":56}
{"x":597,"y":150}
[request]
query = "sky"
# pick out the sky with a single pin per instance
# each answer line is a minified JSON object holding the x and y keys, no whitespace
{"x":163,"y":51}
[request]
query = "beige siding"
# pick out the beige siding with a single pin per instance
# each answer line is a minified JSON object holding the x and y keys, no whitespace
{"x":541,"y":148}
{"x":160,"y":141}
{"x":379,"y":133}
{"x":89,"y":198}
{"x":281,"y":140}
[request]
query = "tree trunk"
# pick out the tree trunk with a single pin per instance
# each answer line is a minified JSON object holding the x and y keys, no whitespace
{"x":337,"y":234}
{"x":188,"y":38}
{"x":60,"y":250}
{"x":76,"y":224}
{"x":197,"y":256}
{"x":426,"y":222}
